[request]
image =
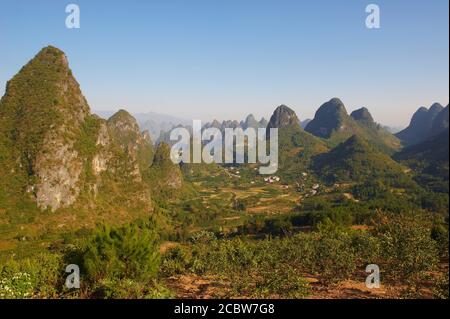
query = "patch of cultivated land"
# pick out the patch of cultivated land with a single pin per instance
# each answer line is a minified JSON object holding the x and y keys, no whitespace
{"x":267,"y":197}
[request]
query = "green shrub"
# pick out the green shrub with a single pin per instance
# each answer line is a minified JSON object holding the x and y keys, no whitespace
{"x":176,"y":260}
{"x":17,"y":285}
{"x":440,"y":234}
{"x":367,"y":247}
{"x":42,"y":276}
{"x":280,"y":282}
{"x":335,"y":259}
{"x":130,"y":289}
{"x":300,"y":250}
{"x":408,"y":250}
{"x":441,"y":287}
{"x":222,"y":256}
{"x":117,"y":253}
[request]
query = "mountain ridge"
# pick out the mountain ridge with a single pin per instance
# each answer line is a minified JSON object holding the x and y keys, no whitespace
{"x":355,"y":160}
{"x":56,"y":154}
{"x":332,"y":123}
{"x":420,"y":126}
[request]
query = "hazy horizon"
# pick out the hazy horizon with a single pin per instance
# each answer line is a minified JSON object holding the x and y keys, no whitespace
{"x":110,"y":112}
{"x":225,"y":60}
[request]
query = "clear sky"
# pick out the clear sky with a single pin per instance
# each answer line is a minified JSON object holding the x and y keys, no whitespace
{"x":224,"y":59}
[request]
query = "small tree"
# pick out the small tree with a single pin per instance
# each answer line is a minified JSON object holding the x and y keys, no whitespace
{"x":117,"y":253}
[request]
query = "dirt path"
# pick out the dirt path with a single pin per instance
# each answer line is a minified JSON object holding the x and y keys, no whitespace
{"x":197,"y":287}
{"x":208,"y":287}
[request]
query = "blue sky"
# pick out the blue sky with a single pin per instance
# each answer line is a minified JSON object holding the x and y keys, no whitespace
{"x":224,"y":59}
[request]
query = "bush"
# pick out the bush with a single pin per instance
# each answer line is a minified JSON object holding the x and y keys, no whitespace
{"x":262,"y":281}
{"x":334,"y":258}
{"x":440,"y":234}
{"x":130,"y":289}
{"x":367,"y":247}
{"x":41,"y":276}
{"x":407,"y":247}
{"x":299,"y":250}
{"x":441,"y":288}
{"x":176,"y":260}
{"x":222,"y":256}
{"x":117,"y":253}
{"x":280,"y":282}
{"x":15,"y":285}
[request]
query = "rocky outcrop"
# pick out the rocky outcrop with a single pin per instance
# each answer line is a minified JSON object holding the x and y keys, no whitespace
{"x":330,"y":117}
{"x":283,"y":116}
{"x":45,"y":111}
{"x":440,"y":122}
{"x":57,"y":169}
{"x":295,"y":146}
{"x":363,"y":115}
{"x":137,"y":146}
{"x":54,"y":150}
{"x":164,"y":170}
{"x":103,"y":155}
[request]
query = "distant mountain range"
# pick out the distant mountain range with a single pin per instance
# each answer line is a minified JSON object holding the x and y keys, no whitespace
{"x":153,"y":122}
{"x":331,"y":122}
{"x":159,"y":125}
{"x":249,"y":122}
{"x":55,"y":154}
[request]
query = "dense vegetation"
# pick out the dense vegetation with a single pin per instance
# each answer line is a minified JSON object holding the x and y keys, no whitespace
{"x":125,"y":262}
{"x":355,"y":160}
